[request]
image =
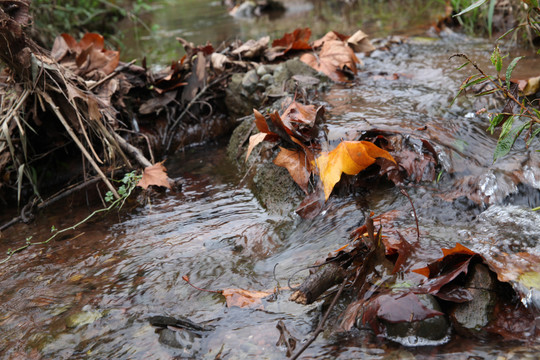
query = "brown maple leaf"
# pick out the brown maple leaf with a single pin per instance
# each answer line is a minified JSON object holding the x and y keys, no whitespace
{"x":335,"y":60}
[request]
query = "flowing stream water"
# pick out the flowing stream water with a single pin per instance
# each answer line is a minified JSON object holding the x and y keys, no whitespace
{"x":90,"y":294}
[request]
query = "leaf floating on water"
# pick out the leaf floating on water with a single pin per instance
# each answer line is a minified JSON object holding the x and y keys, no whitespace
{"x":244,"y":298}
{"x":154,"y":175}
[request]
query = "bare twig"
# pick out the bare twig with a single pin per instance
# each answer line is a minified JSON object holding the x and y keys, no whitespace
{"x":404,"y":192}
{"x":116,"y":71}
{"x":132,"y":150}
{"x":321,"y":324}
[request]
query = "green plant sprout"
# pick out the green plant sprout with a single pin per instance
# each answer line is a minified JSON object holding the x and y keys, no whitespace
{"x":129,"y":183}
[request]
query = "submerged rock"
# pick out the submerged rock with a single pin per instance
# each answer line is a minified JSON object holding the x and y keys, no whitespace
{"x":432,"y":331}
{"x":472,"y":316}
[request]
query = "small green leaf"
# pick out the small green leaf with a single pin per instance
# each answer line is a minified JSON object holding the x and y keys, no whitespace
{"x":509,"y":70}
{"x":472,"y":7}
{"x":505,"y":143}
{"x":462,"y":66}
{"x":495,"y":122}
{"x":506,"y":127}
{"x":487,"y":92}
{"x":533,"y":136}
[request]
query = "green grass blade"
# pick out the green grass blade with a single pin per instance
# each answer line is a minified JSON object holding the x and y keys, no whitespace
{"x":472,"y":7}
{"x":491,"y":11}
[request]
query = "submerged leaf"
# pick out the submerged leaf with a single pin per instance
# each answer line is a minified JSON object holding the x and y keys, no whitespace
{"x":244,"y":298}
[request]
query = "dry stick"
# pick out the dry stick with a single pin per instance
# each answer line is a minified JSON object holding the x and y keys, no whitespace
{"x":321,"y":324}
{"x":404,"y":192}
{"x":80,"y":145}
{"x":132,"y":150}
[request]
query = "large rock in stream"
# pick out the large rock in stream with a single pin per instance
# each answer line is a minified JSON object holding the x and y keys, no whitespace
{"x":271,"y":184}
{"x":431,"y":331}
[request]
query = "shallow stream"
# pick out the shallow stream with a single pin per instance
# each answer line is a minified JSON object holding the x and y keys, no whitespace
{"x":89,"y":295}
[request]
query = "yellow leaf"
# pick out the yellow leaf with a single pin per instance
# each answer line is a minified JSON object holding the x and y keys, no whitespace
{"x":349,"y":157}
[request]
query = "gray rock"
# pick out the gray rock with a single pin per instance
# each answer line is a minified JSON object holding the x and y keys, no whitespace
{"x":267,"y":78}
{"x":245,"y":10}
{"x":250,"y":80}
{"x":237,"y":102}
{"x":422,"y":332}
{"x":473,"y":315}
{"x":284,"y":73}
{"x":261,"y":70}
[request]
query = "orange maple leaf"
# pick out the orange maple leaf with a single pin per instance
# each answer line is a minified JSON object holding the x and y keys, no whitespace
{"x":154,"y":175}
{"x":349,"y":157}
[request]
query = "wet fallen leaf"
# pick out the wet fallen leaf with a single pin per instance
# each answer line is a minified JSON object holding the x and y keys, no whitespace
{"x":514,"y":322}
{"x":312,"y":204}
{"x":251,"y":48}
{"x":442,"y":271}
{"x":349,"y":157}
{"x":297,"y":164}
{"x":297,"y":40}
{"x":329,"y":36}
{"x":255,"y":140}
{"x":244,"y":298}
{"x":529,"y":86}
{"x":398,"y":307}
{"x":336,"y":60}
{"x":154,"y":175}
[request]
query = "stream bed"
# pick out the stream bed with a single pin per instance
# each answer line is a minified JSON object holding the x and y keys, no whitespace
{"x":90,"y":294}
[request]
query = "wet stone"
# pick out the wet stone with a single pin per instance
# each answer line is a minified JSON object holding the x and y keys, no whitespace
{"x":475,"y":314}
{"x":261,"y":70}
{"x":267,"y":78}
{"x":250,"y":80}
{"x":426,"y":332}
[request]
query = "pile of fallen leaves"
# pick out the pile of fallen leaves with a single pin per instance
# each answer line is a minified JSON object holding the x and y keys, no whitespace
{"x":317,"y":172}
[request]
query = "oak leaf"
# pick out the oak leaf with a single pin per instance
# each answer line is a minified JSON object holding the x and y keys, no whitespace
{"x":349,"y":157}
{"x":244,"y":298}
{"x":154,"y":175}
